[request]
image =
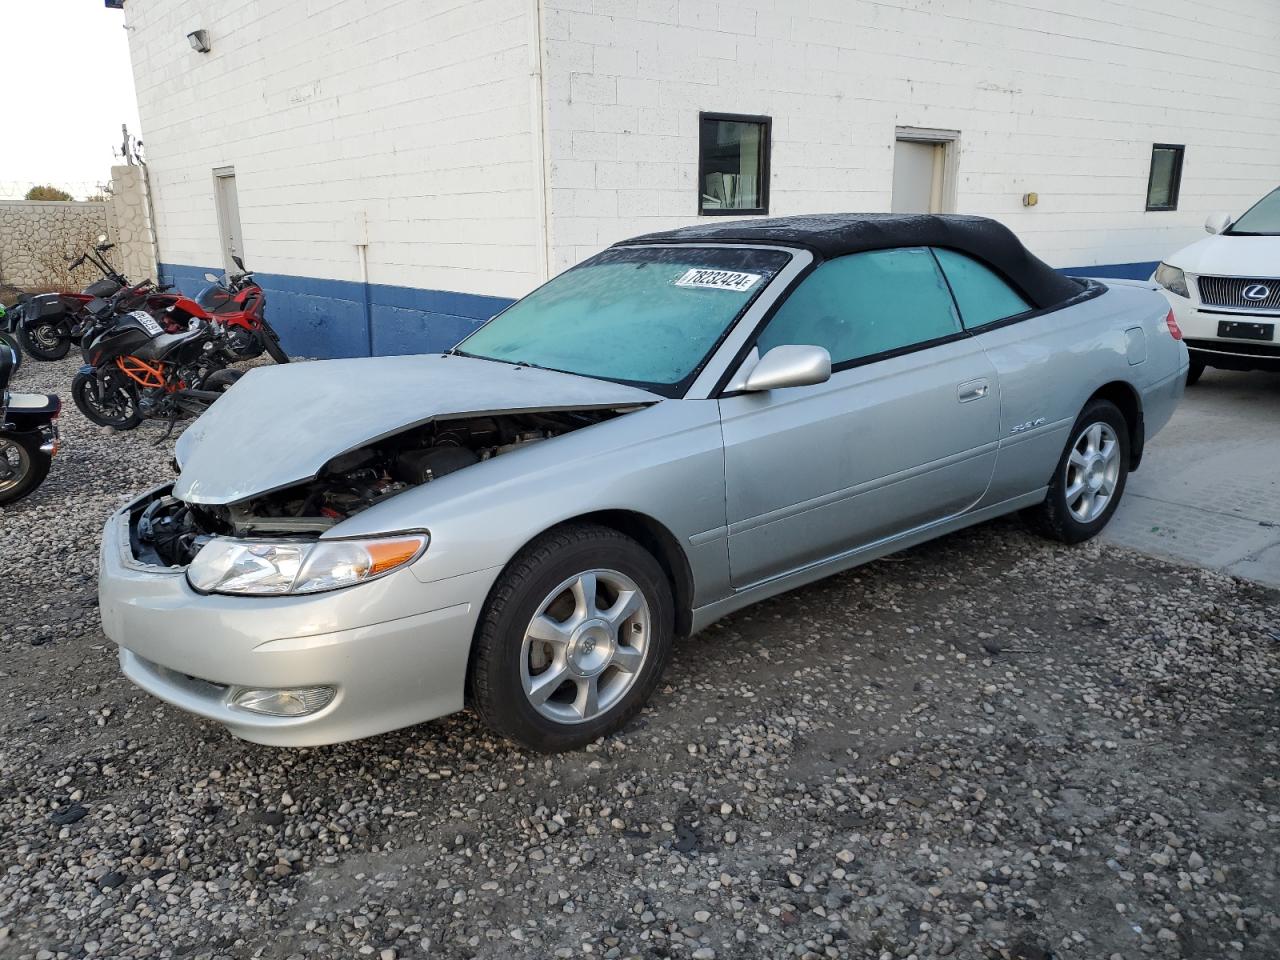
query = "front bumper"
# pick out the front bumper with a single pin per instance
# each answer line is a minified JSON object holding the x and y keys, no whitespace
{"x":394,"y":649}
{"x":1200,"y":326}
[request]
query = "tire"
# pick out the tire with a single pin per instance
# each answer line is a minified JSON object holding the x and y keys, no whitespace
{"x":11,"y":341}
{"x":116,"y":406}
{"x":271,"y":343}
{"x":1073,"y":515}
{"x":44,"y":341}
{"x":22,"y":466}
{"x":1194,"y":372}
{"x":507,"y":659}
{"x":220,"y":381}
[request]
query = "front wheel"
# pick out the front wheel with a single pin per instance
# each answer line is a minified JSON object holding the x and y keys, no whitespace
{"x":106,"y":400}
{"x":45,"y":340}
{"x":271,"y":343}
{"x":23,"y":466}
{"x":1195,"y":371}
{"x":1090,"y":477}
{"x":573,"y":639}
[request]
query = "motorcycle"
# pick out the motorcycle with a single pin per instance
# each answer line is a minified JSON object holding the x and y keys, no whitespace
{"x":48,"y":324}
{"x":9,"y":335}
{"x":237,"y":303}
{"x":136,"y":369}
{"x":28,"y":434}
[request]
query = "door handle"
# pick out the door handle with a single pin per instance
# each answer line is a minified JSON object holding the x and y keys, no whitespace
{"x":972,"y":390}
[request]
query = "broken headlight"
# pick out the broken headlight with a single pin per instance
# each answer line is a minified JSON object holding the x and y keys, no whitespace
{"x":279,"y":567}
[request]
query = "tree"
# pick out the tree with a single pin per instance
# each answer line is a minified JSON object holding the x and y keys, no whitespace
{"x":47,"y":192}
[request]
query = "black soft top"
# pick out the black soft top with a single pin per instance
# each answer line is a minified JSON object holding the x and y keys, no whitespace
{"x":836,"y":234}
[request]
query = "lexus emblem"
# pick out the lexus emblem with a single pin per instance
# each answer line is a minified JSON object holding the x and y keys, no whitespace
{"x":1256,"y":291}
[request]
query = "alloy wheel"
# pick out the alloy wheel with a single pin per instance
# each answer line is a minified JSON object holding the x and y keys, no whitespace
{"x":585,"y":646}
{"x":15,"y":464}
{"x":1092,"y":472}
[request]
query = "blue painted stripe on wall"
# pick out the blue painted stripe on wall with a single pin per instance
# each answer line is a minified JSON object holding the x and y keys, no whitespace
{"x":329,"y":318}
{"x":1116,"y":271}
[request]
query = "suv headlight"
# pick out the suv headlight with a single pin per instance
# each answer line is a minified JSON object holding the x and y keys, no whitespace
{"x":1172,"y":279}
{"x":279,"y":567}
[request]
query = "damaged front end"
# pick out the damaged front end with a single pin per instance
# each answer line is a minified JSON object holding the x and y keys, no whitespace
{"x":168,"y":531}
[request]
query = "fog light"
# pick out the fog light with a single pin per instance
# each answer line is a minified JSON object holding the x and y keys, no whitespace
{"x":289,"y":702}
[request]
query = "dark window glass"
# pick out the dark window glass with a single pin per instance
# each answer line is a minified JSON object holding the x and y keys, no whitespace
{"x":733,"y":165}
{"x":866,"y":303}
{"x":1165,"y":178}
{"x":981,"y":295}
{"x":646,"y":315}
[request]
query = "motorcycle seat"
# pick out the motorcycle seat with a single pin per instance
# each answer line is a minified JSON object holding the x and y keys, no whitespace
{"x":160,"y":347}
{"x":32,"y":402}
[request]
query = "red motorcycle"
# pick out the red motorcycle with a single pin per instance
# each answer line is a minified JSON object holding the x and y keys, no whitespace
{"x":234,"y":302}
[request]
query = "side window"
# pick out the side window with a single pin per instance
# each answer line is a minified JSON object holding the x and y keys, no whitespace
{"x":981,"y":295}
{"x":866,"y":303}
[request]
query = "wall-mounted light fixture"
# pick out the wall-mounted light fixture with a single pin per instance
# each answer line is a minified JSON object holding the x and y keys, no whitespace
{"x":199,"y":40}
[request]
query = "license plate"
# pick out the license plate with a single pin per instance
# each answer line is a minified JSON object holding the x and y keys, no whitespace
{"x":1244,"y":330}
{"x":147,"y":322}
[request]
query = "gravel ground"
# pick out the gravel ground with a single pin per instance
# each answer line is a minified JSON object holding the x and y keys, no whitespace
{"x":988,"y":746}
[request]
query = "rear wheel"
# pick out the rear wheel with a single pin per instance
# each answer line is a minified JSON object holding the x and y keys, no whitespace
{"x":106,"y":399}
{"x":1090,"y":477}
{"x":44,"y":340}
{"x":1194,"y":371}
{"x":573,"y":639}
{"x":220,"y":381}
{"x":22,"y":466}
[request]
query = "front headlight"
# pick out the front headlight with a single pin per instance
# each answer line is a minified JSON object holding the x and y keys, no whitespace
{"x":1172,"y":279}
{"x":273,"y":568}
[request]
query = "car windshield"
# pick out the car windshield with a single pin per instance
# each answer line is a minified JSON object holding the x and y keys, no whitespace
{"x":1263,"y":218}
{"x":648,"y":316}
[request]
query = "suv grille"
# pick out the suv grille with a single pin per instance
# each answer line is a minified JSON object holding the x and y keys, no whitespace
{"x":1230,"y":292}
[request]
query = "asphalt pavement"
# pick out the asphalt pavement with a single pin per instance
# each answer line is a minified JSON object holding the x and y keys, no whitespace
{"x":1208,"y":490}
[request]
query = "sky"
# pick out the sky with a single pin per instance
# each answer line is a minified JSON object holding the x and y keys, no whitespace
{"x":66,"y":87}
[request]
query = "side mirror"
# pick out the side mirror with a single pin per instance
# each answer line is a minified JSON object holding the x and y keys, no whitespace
{"x":1217,"y":223}
{"x":790,"y":365}
{"x":238,"y":262}
{"x":211,"y":277}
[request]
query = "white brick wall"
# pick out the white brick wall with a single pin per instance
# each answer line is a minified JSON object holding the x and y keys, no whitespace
{"x":417,"y":113}
{"x":1063,"y":99}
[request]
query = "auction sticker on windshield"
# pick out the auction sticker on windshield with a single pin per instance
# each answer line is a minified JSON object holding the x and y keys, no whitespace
{"x":718,"y":279}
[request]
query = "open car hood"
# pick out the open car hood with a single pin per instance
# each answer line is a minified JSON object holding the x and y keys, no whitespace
{"x":278,"y":426}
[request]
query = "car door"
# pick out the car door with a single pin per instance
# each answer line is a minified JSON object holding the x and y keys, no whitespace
{"x":902,"y":435}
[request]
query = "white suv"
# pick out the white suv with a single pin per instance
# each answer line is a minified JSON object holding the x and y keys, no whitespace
{"x":1225,"y":291}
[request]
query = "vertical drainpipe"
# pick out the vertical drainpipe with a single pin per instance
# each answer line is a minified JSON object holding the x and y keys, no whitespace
{"x":362,"y":251}
{"x":538,"y":129}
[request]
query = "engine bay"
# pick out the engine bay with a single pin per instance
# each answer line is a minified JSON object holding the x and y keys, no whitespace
{"x":169,"y":532}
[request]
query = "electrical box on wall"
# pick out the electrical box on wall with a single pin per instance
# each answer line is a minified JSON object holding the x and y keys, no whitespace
{"x":1030,"y":199}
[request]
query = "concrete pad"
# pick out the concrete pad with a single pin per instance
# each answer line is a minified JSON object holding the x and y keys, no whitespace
{"x":1208,"y":491}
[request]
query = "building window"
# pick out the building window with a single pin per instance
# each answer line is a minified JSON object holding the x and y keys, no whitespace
{"x":733,"y":164}
{"x":1166,"y":176}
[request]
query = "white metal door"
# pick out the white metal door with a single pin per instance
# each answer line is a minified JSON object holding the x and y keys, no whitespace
{"x":228,"y":204}
{"x":917,"y":176}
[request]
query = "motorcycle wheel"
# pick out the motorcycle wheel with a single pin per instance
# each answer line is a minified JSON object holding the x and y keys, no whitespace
{"x":43,"y":341}
{"x":22,"y":466}
{"x":271,"y":343}
{"x":106,"y":401}
{"x":220,"y":381}
{"x":10,"y":341}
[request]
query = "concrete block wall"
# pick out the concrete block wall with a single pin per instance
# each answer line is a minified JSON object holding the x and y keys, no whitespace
{"x":1064,"y":100}
{"x":404,"y":123}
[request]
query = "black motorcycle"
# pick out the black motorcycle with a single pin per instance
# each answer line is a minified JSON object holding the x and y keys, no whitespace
{"x":50,"y":323}
{"x":9,"y":334}
{"x":134,"y":369}
{"x":28,"y":435}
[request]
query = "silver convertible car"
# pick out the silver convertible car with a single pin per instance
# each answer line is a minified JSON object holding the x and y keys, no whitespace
{"x":680,"y":426}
